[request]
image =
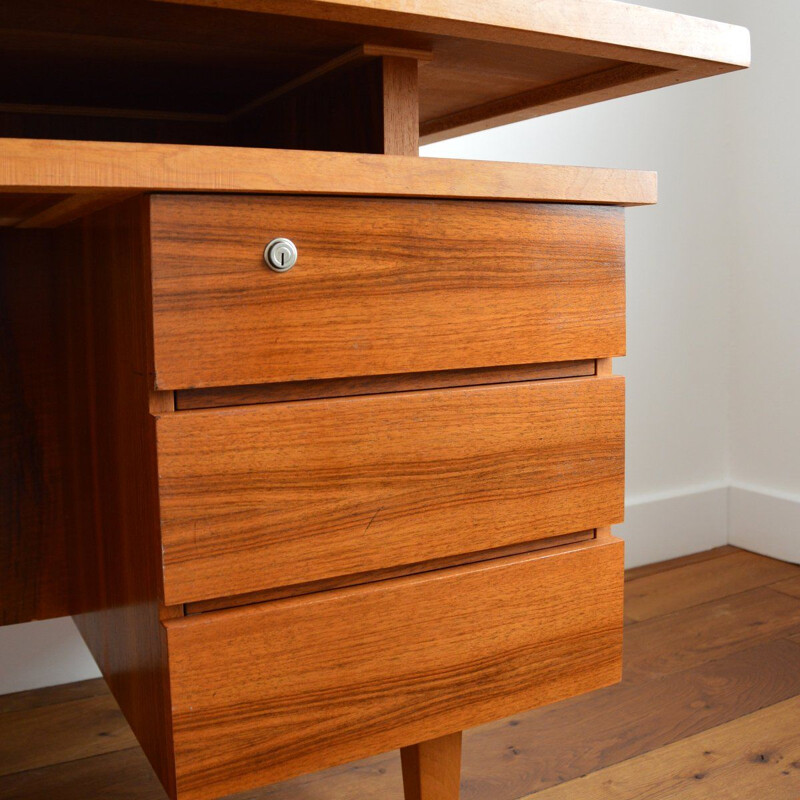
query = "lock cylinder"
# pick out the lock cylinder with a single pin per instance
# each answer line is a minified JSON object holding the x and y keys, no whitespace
{"x":280,"y":254}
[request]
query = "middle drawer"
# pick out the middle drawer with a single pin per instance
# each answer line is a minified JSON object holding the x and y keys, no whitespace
{"x":264,"y":496}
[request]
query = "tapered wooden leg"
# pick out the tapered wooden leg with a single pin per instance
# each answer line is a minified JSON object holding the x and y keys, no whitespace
{"x":432,"y":769}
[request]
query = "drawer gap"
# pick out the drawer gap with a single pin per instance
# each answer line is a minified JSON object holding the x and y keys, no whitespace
{"x":339,"y":582}
{"x":224,"y":396}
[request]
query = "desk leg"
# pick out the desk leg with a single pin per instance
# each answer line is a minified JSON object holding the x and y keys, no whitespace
{"x":432,"y":769}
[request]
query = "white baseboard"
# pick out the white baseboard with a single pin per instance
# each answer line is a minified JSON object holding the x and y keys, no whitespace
{"x":765,"y":522}
{"x":44,"y":653}
{"x":659,"y":527}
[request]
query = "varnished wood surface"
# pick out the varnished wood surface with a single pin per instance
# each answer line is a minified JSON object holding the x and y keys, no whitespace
{"x":33,"y":549}
{"x":114,"y":546}
{"x":43,"y":166}
{"x":791,"y":586}
{"x":435,"y":653}
{"x":285,"y":493}
{"x":340,"y":581}
{"x":432,"y":769}
{"x":529,"y":752}
{"x":55,"y":736}
{"x":502,"y":62}
{"x":743,"y":571}
{"x":589,"y":26}
{"x":715,"y":762}
{"x":424,"y":285}
{"x":178,"y":71}
{"x":18,"y":207}
{"x":362,"y":102}
{"x":646,"y":570}
{"x":376,"y":384}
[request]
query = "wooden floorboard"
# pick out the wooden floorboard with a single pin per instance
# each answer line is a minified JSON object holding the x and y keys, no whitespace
{"x":756,"y":756}
{"x":52,"y":695}
{"x":790,"y":587}
{"x":664,"y":645}
{"x":53,"y":734}
{"x":673,"y":563}
{"x":693,"y":584}
{"x":711,"y":689}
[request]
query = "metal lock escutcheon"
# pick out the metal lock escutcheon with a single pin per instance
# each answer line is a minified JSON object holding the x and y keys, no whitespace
{"x":280,"y":254}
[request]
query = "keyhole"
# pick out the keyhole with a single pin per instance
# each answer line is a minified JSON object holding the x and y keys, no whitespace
{"x":280,"y":255}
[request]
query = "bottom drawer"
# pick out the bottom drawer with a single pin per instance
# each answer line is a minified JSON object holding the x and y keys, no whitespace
{"x":269,"y":691}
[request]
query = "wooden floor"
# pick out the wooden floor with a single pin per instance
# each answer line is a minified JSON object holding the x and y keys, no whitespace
{"x":709,"y":708}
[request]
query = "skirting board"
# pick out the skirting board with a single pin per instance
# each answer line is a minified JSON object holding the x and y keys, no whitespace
{"x":660,"y":527}
{"x":765,"y":522}
{"x":44,"y":653}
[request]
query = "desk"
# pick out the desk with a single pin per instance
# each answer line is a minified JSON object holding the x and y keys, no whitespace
{"x":317,"y":441}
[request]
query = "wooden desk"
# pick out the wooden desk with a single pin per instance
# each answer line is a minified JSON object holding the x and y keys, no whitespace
{"x":305,"y":515}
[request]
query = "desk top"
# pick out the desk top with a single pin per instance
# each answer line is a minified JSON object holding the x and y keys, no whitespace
{"x":45,"y":183}
{"x":482,"y":63}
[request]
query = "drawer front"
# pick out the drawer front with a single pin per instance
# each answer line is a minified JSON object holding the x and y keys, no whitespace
{"x":269,"y":691}
{"x":381,"y":286}
{"x":286,"y":493}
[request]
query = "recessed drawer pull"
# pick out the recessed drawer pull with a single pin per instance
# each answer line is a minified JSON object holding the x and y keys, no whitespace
{"x":280,"y":254}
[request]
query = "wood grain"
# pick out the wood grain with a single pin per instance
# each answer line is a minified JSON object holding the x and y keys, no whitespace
{"x":52,"y":695}
{"x":288,"y":493}
{"x":340,"y":581}
{"x":503,"y":760}
{"x":14,"y":208}
{"x":221,"y":396}
{"x":71,"y":208}
{"x":178,"y":71}
{"x":364,"y":301}
{"x":122,"y":775}
{"x":53,"y":734}
{"x":357,"y":54}
{"x":598,"y":86}
{"x":510,"y":634}
{"x":366,"y":104}
{"x":432,"y":769}
{"x":713,"y":630}
{"x":790,"y":587}
{"x":556,"y":744}
{"x":497,"y":63}
{"x":561,"y":743}
{"x":585,"y":26}
{"x":757,"y":755}
{"x":400,"y":105}
{"x":115,"y":552}
{"x":33,"y":571}
{"x":702,"y":582}
{"x":694,"y":558}
{"x":66,"y":166}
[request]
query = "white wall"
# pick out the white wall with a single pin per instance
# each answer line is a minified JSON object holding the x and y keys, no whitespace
{"x":765,"y":343}
{"x":713,"y":361}
{"x":43,"y":654}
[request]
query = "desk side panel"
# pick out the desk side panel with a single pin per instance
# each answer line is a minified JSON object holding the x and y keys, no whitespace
{"x":115,"y":570}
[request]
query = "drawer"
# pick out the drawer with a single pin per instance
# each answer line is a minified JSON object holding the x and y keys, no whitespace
{"x":381,"y":286}
{"x":269,"y":691}
{"x":286,"y":493}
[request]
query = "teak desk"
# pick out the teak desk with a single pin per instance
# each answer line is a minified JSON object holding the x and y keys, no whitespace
{"x":307,"y":512}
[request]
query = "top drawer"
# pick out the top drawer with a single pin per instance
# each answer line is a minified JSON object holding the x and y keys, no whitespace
{"x":381,"y":286}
